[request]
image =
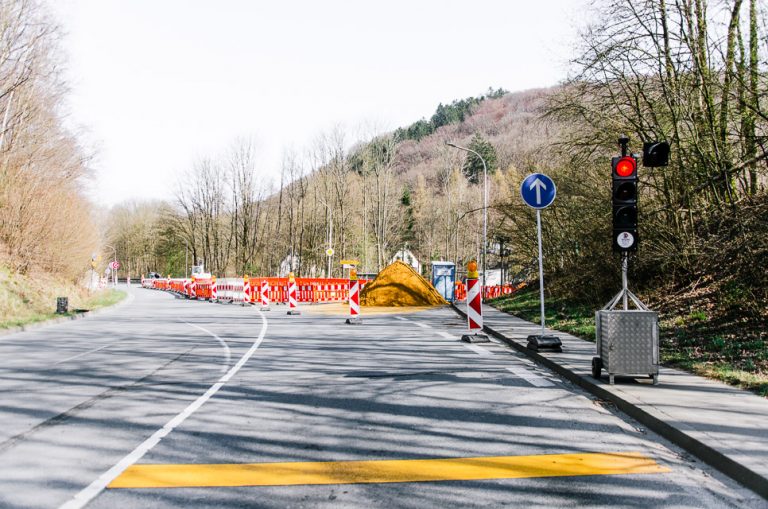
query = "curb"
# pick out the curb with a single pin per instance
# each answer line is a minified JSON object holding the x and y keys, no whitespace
{"x":707,"y":454}
{"x":63,"y":319}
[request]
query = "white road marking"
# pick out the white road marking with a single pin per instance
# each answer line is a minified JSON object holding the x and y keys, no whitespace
{"x":530,"y":377}
{"x":92,"y":491}
{"x":423,"y":325}
{"x":227,"y":354}
{"x":402,"y":319}
{"x":478,"y":350}
{"x":446,"y":335}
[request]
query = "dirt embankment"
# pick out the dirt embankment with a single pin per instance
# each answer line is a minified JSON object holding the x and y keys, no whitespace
{"x":400,"y":285}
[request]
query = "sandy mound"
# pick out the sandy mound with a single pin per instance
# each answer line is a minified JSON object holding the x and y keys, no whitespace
{"x":400,"y":285}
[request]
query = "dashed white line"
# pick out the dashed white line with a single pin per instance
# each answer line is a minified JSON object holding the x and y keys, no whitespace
{"x":530,"y":377}
{"x":423,"y":325}
{"x":402,"y":319}
{"x":478,"y":349}
{"x":92,"y":490}
{"x":446,"y":335}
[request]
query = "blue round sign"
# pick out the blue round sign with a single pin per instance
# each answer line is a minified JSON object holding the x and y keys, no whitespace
{"x":538,"y":191}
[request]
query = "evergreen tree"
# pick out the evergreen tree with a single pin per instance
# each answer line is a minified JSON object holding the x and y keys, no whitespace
{"x":473,"y":166}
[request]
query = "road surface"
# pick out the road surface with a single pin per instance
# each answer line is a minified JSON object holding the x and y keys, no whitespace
{"x":164,"y":402}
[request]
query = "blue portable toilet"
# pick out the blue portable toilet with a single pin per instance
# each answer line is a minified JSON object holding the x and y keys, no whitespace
{"x":444,"y":279}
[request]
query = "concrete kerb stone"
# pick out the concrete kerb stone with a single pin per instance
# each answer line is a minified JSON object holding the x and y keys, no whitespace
{"x":733,"y":469}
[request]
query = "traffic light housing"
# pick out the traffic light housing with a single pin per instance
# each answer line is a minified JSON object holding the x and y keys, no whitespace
{"x":624,"y":199}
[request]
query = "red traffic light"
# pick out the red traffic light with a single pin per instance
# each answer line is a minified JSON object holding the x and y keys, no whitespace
{"x":626,"y":166}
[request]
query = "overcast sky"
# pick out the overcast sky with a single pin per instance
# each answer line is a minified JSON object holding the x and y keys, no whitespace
{"x":157,"y":84}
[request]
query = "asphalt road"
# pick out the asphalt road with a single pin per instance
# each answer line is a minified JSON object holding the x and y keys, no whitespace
{"x":305,"y":411}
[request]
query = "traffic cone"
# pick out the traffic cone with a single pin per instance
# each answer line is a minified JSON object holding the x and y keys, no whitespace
{"x":354,"y":299}
{"x":292,"y":295}
{"x":474,"y":307}
{"x":265,"y":295}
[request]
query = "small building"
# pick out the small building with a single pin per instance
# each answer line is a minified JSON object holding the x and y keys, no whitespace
{"x":408,"y":257}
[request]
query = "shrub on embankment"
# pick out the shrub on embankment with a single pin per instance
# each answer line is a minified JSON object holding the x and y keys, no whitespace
{"x":26,"y":299}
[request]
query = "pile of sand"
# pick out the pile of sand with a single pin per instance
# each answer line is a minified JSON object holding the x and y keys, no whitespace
{"x":400,"y":285}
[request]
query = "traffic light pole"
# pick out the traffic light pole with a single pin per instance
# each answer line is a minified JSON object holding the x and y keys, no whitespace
{"x":624,"y":282}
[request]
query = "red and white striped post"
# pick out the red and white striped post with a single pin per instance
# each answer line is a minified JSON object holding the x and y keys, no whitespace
{"x":292,"y":295}
{"x":474,"y":307}
{"x":264,"y":295}
{"x":246,"y":290}
{"x":214,"y":290}
{"x":354,"y":299}
{"x":193,"y":289}
{"x":186,"y":288}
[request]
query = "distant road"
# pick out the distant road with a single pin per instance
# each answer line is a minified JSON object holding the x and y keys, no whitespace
{"x":164,"y":402}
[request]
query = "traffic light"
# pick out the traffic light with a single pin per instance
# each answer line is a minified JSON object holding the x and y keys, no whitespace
{"x":624,"y":176}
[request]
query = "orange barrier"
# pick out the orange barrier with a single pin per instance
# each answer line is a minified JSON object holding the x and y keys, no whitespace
{"x":309,"y":290}
{"x":489,"y":292}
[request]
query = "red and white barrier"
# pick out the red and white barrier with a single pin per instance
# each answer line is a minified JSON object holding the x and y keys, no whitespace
{"x":265,"y":295}
{"x":214,"y":290}
{"x":247,"y":292}
{"x":193,"y":289}
{"x":292,"y":303}
{"x":354,"y":299}
{"x":474,"y":307}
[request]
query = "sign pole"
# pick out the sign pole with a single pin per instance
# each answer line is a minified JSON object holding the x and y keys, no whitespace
{"x":541,"y":270}
{"x":538,"y":192}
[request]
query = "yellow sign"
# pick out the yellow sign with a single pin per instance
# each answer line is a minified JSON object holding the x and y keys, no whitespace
{"x":349,"y":262}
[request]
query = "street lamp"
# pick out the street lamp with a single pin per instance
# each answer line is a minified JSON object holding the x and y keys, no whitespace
{"x":114,"y":271}
{"x":485,"y":201}
{"x":330,"y":234}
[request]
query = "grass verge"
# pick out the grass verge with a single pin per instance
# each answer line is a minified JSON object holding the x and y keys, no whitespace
{"x":737,"y":359}
{"x":28,"y":299}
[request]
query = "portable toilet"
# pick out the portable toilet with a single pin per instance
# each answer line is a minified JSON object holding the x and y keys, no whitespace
{"x":444,"y":279}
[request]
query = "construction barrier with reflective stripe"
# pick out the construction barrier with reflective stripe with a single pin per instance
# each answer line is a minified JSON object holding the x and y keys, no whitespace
{"x":309,"y":290}
{"x":489,"y":292}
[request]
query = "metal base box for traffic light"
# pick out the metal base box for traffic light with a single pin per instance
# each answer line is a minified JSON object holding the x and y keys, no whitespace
{"x":627,"y":344}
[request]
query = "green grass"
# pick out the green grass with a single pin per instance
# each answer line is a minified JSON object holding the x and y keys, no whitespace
{"x":104,"y":298}
{"x":559,"y":314}
{"x":27,"y":301}
{"x":686,"y":342}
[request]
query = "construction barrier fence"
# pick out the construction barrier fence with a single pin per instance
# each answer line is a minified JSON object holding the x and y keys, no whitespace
{"x":309,"y":290}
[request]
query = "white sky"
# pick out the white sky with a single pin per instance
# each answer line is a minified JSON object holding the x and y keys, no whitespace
{"x":157,"y":84}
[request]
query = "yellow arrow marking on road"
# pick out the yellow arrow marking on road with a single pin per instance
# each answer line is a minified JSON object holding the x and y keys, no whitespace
{"x":386,"y":471}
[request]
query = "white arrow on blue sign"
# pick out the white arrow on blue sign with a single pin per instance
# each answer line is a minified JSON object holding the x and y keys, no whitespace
{"x":538,"y":191}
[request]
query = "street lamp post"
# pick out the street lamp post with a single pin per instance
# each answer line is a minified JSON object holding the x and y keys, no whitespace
{"x":114,"y":259}
{"x":330,"y":233}
{"x":485,"y":202}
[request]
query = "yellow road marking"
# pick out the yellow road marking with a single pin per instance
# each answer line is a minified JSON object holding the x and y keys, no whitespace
{"x":386,"y":471}
{"x":340,"y":308}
